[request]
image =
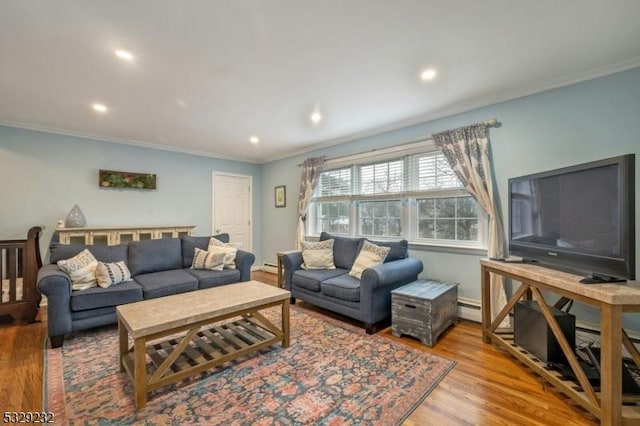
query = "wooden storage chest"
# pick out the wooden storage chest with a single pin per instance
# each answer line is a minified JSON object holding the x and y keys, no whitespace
{"x":424,"y":309}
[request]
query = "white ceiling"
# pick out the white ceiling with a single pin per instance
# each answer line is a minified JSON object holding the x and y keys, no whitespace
{"x":246,"y":67}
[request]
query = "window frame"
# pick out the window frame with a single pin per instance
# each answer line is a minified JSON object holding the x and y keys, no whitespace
{"x":408,"y":197}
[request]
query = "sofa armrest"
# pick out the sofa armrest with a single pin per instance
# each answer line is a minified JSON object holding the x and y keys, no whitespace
{"x":378,"y":282}
{"x":386,"y":274}
{"x":244,"y":261}
{"x":56,"y":285}
{"x":291,"y":263}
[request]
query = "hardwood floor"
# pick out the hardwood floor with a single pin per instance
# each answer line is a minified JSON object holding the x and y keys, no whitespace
{"x":486,"y":387}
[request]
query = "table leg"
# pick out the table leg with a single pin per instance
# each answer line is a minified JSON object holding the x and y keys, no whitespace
{"x":486,"y":304}
{"x":140,"y":372}
{"x":123,"y":342}
{"x":285,"y":324}
{"x":611,"y":365}
{"x":280,"y":271}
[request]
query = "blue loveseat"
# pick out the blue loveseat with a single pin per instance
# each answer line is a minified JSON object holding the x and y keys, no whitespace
{"x":158,"y":268}
{"x":368,"y":299}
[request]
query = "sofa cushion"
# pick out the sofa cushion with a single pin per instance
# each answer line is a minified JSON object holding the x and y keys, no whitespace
{"x":208,"y":279}
{"x":208,"y":260}
{"x":108,"y":274}
{"x":155,"y":256}
{"x":107,"y":254}
{"x":344,"y":287}
{"x":370,"y":255}
{"x":229,"y":249}
{"x":81,"y":269}
{"x":345,"y":249}
{"x":189,"y":245}
{"x":98,"y":297}
{"x":310,"y":279}
{"x":399,"y":249}
{"x":165,"y":283}
{"x":317,"y":255}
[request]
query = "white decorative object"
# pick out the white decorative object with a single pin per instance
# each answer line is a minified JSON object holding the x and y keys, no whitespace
{"x":75,"y":218}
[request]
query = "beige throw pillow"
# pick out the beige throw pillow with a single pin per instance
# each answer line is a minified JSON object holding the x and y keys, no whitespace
{"x":230,"y":250}
{"x":81,"y":269}
{"x":108,"y":274}
{"x":318,"y":255}
{"x":210,"y":260}
{"x":370,"y":256}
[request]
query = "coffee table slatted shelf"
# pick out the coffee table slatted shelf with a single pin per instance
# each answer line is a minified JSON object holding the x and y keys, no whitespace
{"x":505,"y":339}
{"x":208,"y":348}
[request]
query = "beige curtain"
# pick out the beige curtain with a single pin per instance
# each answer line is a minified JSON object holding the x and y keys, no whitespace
{"x":467,"y":151}
{"x":311,"y":169}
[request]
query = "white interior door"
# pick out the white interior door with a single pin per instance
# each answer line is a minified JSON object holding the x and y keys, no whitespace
{"x":232,"y":207}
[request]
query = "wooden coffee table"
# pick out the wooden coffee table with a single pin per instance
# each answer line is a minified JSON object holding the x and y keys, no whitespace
{"x":208,"y":340}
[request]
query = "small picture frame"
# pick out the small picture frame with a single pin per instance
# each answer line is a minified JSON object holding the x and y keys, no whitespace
{"x":280,"y":195}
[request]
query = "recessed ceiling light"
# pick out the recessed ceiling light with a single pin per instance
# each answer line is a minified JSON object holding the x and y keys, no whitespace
{"x":428,"y":74}
{"x":99,"y":107}
{"x":254,"y":140}
{"x":123,"y":54}
{"x":315,"y":117}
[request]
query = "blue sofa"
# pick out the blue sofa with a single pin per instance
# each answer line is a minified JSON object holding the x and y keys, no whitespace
{"x":158,"y":268}
{"x":368,"y":299}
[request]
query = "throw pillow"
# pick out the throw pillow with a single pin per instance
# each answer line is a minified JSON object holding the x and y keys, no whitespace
{"x":370,"y":256}
{"x":108,"y":274}
{"x":211,"y":260}
{"x":318,"y":255}
{"x":230,"y":249}
{"x":81,"y":269}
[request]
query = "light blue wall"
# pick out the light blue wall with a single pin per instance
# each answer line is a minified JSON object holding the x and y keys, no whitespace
{"x":570,"y":125}
{"x":42,"y":175}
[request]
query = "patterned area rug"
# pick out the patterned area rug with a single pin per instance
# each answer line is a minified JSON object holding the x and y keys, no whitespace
{"x":332,"y":374}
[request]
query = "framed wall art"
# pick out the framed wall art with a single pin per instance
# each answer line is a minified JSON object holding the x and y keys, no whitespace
{"x":280,"y":195}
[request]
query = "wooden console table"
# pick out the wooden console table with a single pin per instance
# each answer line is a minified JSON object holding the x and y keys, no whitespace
{"x":113,"y":235}
{"x":281,"y":255}
{"x":611,"y":299}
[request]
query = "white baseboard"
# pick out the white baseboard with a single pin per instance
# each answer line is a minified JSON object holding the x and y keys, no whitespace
{"x":469,"y":309}
{"x":269,"y":267}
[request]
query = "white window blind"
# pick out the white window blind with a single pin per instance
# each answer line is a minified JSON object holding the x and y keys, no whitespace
{"x":382,"y":178}
{"x":334,"y":183}
{"x":434,"y":172}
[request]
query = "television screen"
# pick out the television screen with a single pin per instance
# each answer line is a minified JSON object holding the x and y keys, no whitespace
{"x":581,"y":217}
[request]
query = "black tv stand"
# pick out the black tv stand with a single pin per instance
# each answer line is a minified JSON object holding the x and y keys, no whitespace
{"x":601,"y":279}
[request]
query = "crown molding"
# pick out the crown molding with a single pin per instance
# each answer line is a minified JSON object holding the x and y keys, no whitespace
{"x":122,"y":141}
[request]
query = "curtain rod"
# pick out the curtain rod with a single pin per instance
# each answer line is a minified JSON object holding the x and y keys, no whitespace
{"x":492,"y":122}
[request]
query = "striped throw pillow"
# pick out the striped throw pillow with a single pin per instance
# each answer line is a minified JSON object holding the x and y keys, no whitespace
{"x":108,"y":274}
{"x":211,"y":260}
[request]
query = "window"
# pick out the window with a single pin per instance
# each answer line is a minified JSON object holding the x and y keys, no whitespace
{"x":413,"y":195}
{"x":450,"y":218}
{"x":380,"y":218}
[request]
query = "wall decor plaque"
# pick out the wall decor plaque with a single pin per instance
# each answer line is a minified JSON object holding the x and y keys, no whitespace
{"x":114,"y":179}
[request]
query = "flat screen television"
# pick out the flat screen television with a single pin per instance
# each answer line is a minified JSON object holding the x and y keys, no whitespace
{"x":580,"y":219}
